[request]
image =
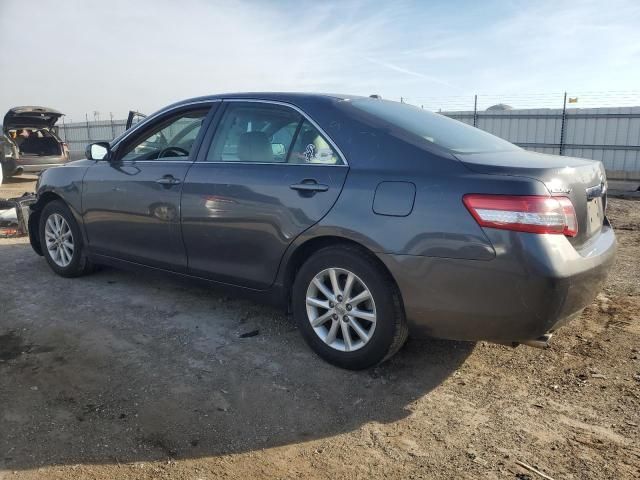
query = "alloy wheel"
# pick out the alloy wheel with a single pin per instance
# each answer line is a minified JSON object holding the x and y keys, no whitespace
{"x":59,"y":240}
{"x":341,"y":309}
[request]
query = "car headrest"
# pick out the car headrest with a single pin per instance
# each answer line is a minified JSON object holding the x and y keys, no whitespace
{"x":254,"y":147}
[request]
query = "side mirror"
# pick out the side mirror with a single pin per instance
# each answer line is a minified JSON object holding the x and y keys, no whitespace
{"x":98,"y":151}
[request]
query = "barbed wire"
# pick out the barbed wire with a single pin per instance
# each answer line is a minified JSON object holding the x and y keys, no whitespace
{"x":551,"y":100}
{"x":515,"y":100}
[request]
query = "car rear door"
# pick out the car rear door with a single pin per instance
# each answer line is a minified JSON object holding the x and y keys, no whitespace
{"x":264,"y":174}
{"x":131,"y":203}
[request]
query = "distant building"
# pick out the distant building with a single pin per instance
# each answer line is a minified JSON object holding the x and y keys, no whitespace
{"x":499,"y":107}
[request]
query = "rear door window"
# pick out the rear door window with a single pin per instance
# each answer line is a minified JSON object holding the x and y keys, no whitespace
{"x":254,"y":133}
{"x":312,"y":148}
{"x":268,"y":133}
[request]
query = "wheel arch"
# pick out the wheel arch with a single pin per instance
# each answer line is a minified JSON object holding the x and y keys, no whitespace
{"x":44,"y":198}
{"x":33,"y":223}
{"x":310,"y":246}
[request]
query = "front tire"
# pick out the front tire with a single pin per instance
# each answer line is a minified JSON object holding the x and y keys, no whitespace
{"x":61,"y":241}
{"x":348,"y":308}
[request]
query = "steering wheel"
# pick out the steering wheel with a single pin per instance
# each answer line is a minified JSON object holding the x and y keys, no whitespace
{"x":173,"y":152}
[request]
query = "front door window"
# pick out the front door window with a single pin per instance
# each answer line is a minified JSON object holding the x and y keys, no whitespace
{"x":172,"y":139}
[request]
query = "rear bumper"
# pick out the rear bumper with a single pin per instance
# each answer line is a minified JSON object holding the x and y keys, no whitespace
{"x":33,"y":165}
{"x":40,"y":167}
{"x":9,"y":167}
{"x":535,"y":284}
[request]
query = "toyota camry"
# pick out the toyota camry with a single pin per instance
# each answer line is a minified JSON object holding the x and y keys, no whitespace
{"x":367,"y":219}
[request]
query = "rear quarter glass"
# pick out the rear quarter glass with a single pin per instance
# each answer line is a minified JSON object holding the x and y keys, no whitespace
{"x":446,"y":133}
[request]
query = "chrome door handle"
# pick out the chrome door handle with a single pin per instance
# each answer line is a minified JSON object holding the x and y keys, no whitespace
{"x":309,"y":186}
{"x":168,"y":180}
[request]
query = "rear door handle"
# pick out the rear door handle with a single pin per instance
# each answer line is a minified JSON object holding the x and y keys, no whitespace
{"x":309,"y":186}
{"x":168,"y":180}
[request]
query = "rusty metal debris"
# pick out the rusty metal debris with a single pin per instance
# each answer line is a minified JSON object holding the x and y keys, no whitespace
{"x":14,"y":215}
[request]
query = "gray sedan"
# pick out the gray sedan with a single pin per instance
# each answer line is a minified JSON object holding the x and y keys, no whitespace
{"x":365,"y":218}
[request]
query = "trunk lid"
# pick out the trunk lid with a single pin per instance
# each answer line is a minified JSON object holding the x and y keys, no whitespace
{"x":29,"y":116}
{"x":582,"y":180}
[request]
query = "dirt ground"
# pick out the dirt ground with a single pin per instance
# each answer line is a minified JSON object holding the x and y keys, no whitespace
{"x":14,"y":187}
{"x":127,"y":376}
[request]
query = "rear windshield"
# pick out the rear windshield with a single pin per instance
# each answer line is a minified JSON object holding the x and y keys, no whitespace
{"x":452,"y":135}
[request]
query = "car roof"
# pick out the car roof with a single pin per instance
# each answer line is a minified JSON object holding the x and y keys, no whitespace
{"x":286,"y":97}
{"x":298,"y":99}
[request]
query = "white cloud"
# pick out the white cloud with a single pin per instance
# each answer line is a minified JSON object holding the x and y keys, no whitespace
{"x":412,"y":73}
{"x":114,"y":55}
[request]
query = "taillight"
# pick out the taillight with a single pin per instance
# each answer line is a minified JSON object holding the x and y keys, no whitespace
{"x":526,"y":213}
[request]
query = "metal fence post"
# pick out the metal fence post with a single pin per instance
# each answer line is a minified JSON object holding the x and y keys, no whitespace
{"x":86,"y":117}
{"x":64,"y":130}
{"x":562,"y":124}
{"x":113,"y":131}
{"x":475,"y":110}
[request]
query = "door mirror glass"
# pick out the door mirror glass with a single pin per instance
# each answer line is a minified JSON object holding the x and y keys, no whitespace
{"x":97,"y":151}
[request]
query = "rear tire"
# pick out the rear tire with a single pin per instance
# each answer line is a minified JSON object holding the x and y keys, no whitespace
{"x":61,"y":241}
{"x":348,"y":308}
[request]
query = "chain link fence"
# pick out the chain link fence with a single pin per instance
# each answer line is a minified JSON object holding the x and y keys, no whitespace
{"x":78,"y":135}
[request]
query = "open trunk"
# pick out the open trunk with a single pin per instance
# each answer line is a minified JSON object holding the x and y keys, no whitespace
{"x":32,"y":130}
{"x":39,"y":143}
{"x":582,"y":181}
{"x":30,"y":117}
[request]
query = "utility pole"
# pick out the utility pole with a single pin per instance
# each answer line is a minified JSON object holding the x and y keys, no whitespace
{"x":475,"y":110}
{"x":563,"y":127}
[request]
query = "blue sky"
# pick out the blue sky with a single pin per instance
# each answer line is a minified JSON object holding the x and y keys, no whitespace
{"x":112,"y":55}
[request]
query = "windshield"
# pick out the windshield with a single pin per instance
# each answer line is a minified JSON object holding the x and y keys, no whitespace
{"x":452,"y":135}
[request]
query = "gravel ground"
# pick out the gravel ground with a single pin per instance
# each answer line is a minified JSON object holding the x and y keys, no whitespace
{"x":130,"y":376}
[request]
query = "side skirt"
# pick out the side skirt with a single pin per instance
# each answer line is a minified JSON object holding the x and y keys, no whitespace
{"x":273,"y":296}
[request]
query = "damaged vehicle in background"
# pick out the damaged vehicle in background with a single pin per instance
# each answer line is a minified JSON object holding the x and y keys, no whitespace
{"x":14,"y":214}
{"x":9,"y":159}
{"x":31,"y":138}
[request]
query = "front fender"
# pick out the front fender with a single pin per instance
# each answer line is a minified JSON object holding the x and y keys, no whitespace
{"x":58,"y":183}
{"x":32,"y":227}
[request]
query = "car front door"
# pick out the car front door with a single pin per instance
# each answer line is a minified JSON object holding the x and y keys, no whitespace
{"x":131,"y":203}
{"x":264,"y":174}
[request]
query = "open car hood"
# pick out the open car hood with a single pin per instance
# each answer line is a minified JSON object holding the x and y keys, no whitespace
{"x":21,"y":117}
